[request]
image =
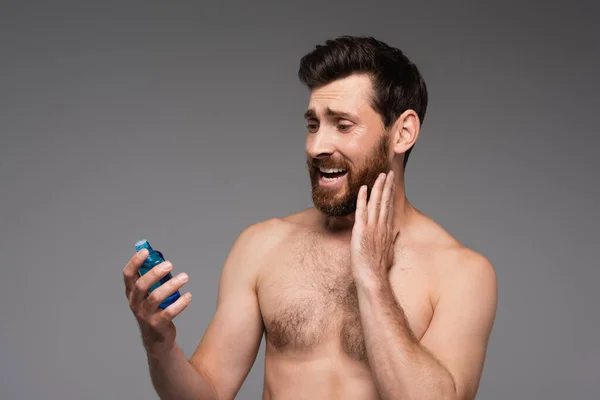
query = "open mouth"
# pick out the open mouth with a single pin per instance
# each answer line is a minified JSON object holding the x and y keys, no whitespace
{"x":331,"y":174}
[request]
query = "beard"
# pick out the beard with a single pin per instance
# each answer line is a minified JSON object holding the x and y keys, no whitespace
{"x":342,"y":202}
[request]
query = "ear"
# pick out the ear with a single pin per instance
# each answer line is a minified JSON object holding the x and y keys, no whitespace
{"x":406,"y":131}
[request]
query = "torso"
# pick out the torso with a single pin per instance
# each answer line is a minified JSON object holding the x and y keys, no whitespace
{"x":308,"y":300}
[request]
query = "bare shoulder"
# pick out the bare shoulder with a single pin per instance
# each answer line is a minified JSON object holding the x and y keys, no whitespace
{"x":471,"y":273}
{"x":466,"y":266}
{"x":257,"y":240}
{"x":261,"y":239}
{"x":458,"y":266}
{"x":462,"y":262}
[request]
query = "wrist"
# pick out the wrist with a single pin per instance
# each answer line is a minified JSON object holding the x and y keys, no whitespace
{"x":158,"y":347}
{"x":159,"y":351}
{"x":367,"y":279}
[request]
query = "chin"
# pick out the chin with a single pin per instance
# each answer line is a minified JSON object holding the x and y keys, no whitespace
{"x":336,"y":209}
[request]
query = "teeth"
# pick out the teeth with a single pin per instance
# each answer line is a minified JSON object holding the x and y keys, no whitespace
{"x":331,"y":170}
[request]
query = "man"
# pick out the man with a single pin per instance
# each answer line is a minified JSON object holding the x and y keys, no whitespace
{"x":362,"y":296}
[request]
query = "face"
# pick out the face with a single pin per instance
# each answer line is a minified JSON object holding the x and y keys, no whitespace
{"x":346,"y":146}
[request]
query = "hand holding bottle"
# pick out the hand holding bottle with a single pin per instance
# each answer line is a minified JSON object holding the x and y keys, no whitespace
{"x":154,"y":297}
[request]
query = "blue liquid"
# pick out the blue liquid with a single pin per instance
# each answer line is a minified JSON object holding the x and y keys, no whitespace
{"x":155,"y":258}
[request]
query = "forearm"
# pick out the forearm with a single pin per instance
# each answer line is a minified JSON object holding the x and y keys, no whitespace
{"x":402,"y":368}
{"x":175,"y":378}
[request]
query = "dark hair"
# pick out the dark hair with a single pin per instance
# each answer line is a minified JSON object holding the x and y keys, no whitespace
{"x":397,"y":83}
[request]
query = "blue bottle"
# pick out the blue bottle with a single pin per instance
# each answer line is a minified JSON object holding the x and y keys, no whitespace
{"x":155,"y":258}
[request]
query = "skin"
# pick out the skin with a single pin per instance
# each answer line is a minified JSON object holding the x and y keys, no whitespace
{"x":381,"y":303}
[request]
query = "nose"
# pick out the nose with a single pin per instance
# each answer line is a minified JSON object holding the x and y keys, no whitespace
{"x":319,"y":145}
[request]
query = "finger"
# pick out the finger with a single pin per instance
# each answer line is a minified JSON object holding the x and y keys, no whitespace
{"x":165,"y":316}
{"x":144,"y":283}
{"x":165,"y":290}
{"x":130,"y":272}
{"x":375,"y":199}
{"x":386,"y":199}
{"x":360,"y":216}
{"x":392,"y":210}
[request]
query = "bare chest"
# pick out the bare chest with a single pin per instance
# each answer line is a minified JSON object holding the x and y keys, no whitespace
{"x":308,"y":299}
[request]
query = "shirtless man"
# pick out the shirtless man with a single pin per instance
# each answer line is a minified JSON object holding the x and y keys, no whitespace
{"x":362,"y":296}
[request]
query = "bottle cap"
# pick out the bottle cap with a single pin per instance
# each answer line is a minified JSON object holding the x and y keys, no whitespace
{"x":143,"y":244}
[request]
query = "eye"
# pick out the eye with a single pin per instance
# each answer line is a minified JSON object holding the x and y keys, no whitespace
{"x":312,"y":127}
{"x":344,"y":127}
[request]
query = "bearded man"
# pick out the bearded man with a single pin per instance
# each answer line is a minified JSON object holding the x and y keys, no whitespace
{"x":361,"y":296}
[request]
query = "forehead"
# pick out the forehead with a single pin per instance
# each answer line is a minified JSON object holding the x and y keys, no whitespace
{"x":351,"y":94}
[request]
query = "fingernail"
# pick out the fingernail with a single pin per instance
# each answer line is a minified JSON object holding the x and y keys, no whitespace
{"x":143,"y":253}
{"x":183,"y":277}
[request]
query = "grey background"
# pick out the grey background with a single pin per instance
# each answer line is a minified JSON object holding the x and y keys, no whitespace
{"x":182,"y":122}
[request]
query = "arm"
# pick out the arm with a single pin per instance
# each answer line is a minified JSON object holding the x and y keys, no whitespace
{"x":448,"y":361}
{"x":229,"y":346}
{"x":173,"y":377}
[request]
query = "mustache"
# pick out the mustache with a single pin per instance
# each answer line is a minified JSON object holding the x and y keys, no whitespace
{"x":326,"y":163}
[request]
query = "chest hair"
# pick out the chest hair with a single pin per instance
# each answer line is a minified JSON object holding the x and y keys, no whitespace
{"x":315,"y":299}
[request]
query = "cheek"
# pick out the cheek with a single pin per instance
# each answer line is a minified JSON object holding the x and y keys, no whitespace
{"x":356,"y":152}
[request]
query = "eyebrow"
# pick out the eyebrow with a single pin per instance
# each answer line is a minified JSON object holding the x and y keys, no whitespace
{"x":310,"y":113}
